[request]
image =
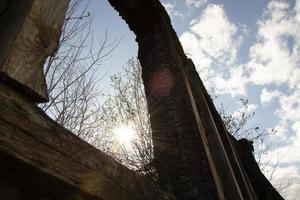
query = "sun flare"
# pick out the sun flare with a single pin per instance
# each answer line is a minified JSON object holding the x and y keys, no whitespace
{"x":124,"y":134}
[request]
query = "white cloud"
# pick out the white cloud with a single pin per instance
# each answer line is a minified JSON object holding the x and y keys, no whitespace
{"x":281,"y":129}
{"x":244,"y":110}
{"x":234,"y":84}
{"x":193,"y":49}
{"x":283,"y":165}
{"x":286,"y":180}
{"x":196,"y":3}
{"x":214,"y":50}
{"x":289,"y":116}
{"x":289,"y":107}
{"x":213,"y":41}
{"x":220,"y":41}
{"x":288,"y":154}
{"x":289,"y":133}
{"x":252,"y":107}
{"x":171,"y":9}
{"x":267,"y":96}
{"x":274,"y":58}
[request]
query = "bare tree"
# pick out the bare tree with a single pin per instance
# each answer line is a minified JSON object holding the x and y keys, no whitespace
{"x":237,"y":125}
{"x":127,"y":105}
{"x":72,"y":74}
{"x":72,"y":79}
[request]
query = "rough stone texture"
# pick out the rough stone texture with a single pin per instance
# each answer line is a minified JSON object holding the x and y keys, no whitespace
{"x":36,"y":38}
{"x":194,"y":156}
{"x":180,"y":158}
{"x":213,"y":125}
{"x":263,"y":188}
{"x":36,"y":150}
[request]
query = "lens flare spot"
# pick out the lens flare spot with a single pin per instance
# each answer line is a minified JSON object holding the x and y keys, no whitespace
{"x":124,"y":134}
{"x":161,"y":83}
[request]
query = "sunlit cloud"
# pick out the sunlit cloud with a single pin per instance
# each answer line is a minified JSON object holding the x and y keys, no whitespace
{"x":273,"y":61}
{"x":285,"y":180}
{"x":274,"y":58}
{"x":214,"y":50}
{"x":171,"y":9}
{"x":218,"y":42}
{"x":267,"y":96}
{"x":196,"y":3}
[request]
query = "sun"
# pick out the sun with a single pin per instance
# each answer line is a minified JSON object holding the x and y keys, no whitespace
{"x":124,"y":134}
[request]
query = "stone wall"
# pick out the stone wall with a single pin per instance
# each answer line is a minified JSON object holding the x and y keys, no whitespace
{"x":195,"y":157}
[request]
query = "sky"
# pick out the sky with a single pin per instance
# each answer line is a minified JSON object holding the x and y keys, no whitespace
{"x":242,"y":49}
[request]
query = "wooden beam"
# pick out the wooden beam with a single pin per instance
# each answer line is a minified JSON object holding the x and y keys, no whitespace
{"x":30,"y":137}
{"x":34,"y":29}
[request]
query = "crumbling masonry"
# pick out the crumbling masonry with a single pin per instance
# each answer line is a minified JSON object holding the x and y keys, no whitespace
{"x":195,"y":157}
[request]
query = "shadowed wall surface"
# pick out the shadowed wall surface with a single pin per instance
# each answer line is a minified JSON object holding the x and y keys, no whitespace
{"x":194,"y":156}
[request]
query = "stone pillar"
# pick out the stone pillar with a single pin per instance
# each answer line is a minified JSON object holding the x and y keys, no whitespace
{"x":180,"y":158}
{"x":190,"y":157}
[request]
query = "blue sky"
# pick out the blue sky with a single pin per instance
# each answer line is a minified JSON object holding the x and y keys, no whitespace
{"x":242,"y":48}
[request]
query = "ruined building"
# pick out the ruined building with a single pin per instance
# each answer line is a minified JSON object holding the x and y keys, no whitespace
{"x":195,"y":157}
